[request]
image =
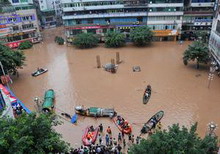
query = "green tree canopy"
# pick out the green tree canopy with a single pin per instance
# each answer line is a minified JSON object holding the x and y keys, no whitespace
{"x":85,"y":40}
{"x":141,"y":36}
{"x":25,"y":45}
{"x":202,"y":36}
{"x":59,"y":40}
{"x":176,"y":141}
{"x":114,"y":39}
{"x":11,"y":59}
{"x":30,"y":134}
{"x":197,"y":51}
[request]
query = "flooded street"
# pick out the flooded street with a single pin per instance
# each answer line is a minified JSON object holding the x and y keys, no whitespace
{"x":180,"y":91}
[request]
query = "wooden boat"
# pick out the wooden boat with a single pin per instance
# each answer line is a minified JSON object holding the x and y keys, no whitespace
{"x":95,"y":112}
{"x":48,"y":103}
{"x":94,"y":133}
{"x":147,"y":94}
{"x":39,"y":71}
{"x":126,"y":130}
{"x":152,"y":122}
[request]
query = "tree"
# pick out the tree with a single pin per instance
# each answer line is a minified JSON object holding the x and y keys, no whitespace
{"x":25,"y":45}
{"x":11,"y":59}
{"x":197,"y":51}
{"x":202,"y":36}
{"x":176,"y":141}
{"x":30,"y":134}
{"x":59,"y":40}
{"x":141,"y":36}
{"x":114,"y":40}
{"x":85,"y":40}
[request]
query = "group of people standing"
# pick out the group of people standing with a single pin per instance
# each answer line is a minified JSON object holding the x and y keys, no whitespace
{"x":107,"y":144}
{"x":17,"y":109}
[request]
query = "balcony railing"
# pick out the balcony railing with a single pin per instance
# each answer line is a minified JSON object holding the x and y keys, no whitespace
{"x":199,"y":12}
{"x":106,"y":15}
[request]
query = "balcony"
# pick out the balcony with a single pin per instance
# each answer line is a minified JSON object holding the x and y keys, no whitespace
{"x":106,"y":15}
{"x":205,"y":4}
{"x":170,"y":22}
{"x":70,"y":9}
{"x":177,"y":13}
{"x":198,"y":13}
{"x":166,"y":5}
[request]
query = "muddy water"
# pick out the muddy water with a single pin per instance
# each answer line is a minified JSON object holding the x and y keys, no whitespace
{"x":180,"y":91}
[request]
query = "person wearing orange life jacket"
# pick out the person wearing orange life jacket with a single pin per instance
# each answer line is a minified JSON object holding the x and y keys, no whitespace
{"x":109,"y":131}
{"x":125,"y":124}
{"x":89,"y":136}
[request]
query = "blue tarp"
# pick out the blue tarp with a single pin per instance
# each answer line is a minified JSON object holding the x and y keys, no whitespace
{"x":74,"y":118}
{"x":18,"y":101}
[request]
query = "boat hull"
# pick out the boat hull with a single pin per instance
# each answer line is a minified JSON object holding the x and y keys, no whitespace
{"x":146,"y":98}
{"x":85,"y":140}
{"x":37,"y":73}
{"x":157,"y":117}
{"x":126,"y":131}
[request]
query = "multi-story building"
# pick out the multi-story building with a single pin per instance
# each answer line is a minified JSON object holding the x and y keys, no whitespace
{"x":198,"y":16}
{"x":18,"y":22}
{"x":214,"y":42}
{"x":49,"y":12}
{"x":99,"y":16}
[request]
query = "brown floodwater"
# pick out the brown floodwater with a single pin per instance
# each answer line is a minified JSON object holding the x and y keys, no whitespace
{"x":180,"y":91}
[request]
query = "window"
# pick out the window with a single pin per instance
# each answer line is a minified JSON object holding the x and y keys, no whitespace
{"x":15,"y":28}
{"x":218,"y":27}
{"x":90,"y":21}
{"x":15,"y":1}
{"x":23,"y":1}
{"x":28,"y":26}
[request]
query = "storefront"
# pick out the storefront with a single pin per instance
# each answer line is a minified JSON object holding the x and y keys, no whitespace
{"x":165,"y":35}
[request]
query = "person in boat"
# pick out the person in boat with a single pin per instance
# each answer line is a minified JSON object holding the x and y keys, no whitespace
{"x":125,"y":125}
{"x":154,"y":122}
{"x":91,"y":128}
{"x":144,"y":129}
{"x":148,"y":90}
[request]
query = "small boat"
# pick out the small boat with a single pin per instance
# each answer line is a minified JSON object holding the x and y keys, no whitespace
{"x":48,"y":103}
{"x":89,"y":137}
{"x":39,"y":71}
{"x":95,"y":112}
{"x":152,"y":122}
{"x":127,"y":129}
{"x":147,"y":94}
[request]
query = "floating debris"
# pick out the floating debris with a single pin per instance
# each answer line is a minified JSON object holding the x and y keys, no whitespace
{"x":136,"y":69}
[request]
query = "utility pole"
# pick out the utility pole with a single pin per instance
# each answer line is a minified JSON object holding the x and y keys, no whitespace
{"x":211,"y":74}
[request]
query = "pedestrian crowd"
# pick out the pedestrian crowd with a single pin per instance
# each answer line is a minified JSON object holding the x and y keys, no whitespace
{"x":106,"y":144}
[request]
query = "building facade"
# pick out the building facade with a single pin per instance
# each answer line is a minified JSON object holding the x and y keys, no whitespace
{"x":100,"y":16}
{"x":18,"y":22}
{"x":214,"y":42}
{"x":49,"y":12}
{"x":198,"y":15}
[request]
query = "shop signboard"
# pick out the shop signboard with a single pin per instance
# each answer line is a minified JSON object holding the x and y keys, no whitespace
{"x":165,"y":32}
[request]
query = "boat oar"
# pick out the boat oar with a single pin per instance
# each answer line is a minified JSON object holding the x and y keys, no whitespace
{"x":137,"y":123}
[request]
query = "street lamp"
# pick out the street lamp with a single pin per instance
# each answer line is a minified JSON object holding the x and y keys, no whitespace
{"x":36,"y":100}
{"x":211,"y":128}
{"x":211,"y":73}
